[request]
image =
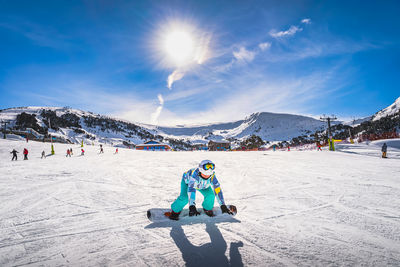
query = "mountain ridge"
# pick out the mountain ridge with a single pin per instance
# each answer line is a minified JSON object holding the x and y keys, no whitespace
{"x":76,"y":125}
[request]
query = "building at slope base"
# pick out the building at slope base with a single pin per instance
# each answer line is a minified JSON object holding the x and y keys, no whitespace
{"x":153,"y":145}
{"x":219,"y":146}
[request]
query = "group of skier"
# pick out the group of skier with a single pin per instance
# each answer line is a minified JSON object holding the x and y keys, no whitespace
{"x":15,"y":156}
{"x":43,"y":155}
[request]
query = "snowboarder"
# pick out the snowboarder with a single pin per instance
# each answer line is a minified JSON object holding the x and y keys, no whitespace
{"x":43,"y":155}
{"x":68,"y":153}
{"x":384,"y":150}
{"x":101,"y":149}
{"x":14,"y":152}
{"x":204,"y":180}
{"x":82,"y":152}
{"x":25,"y":154}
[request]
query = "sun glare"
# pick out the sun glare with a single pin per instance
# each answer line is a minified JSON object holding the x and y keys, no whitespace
{"x":179,"y":46}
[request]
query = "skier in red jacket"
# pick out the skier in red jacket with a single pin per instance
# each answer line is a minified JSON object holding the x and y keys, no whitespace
{"x":25,"y":154}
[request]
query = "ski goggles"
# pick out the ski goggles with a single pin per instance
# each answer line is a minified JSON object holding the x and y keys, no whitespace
{"x":209,"y":166}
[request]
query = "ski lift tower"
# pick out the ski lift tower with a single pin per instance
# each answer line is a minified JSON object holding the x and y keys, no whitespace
{"x":329,"y":119}
{"x":350,"y":135}
{"x":5,"y":128}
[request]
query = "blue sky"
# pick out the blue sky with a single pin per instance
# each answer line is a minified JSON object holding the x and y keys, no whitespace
{"x":110,"y":57}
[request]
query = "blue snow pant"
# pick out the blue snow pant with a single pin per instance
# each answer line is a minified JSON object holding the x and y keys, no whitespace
{"x":183,"y":199}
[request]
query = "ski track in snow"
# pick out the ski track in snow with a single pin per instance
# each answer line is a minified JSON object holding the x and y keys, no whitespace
{"x":295,"y":208}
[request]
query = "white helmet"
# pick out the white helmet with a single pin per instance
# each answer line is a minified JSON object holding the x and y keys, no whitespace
{"x":206,"y":167}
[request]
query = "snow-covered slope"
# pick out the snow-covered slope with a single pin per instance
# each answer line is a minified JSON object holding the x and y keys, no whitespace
{"x":294,"y":208}
{"x":357,"y":121}
{"x":275,"y":126}
{"x":390,"y":110}
{"x":199,"y":134}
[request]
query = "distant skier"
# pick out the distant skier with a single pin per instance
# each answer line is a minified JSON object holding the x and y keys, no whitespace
{"x":384,"y":150}
{"x":70,"y":150}
{"x":25,"y":154}
{"x":204,"y":180}
{"x":101,"y":149}
{"x":82,"y":152}
{"x":116,"y":151}
{"x":68,"y":153}
{"x":43,"y":155}
{"x":288,"y":148}
{"x":14,"y":152}
{"x":319,"y":147}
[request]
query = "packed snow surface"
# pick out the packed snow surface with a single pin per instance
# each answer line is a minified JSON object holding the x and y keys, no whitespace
{"x":297,"y":208}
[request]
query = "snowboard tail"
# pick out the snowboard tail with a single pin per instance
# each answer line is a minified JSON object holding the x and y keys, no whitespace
{"x":161,"y":215}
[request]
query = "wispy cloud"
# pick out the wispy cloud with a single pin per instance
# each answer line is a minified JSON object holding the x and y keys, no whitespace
{"x":288,"y":94}
{"x":40,"y":35}
{"x":235,"y":97}
{"x":291,"y":31}
{"x":156,"y":114}
{"x":202,"y":53}
{"x":176,"y":75}
{"x":244,"y":55}
{"x":264,"y":46}
{"x":84,"y":93}
{"x":255,"y":90}
{"x":305,"y":49}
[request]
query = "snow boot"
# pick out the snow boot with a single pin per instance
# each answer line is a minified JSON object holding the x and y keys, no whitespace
{"x":174,"y":215}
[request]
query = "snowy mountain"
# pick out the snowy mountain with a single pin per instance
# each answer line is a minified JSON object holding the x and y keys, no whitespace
{"x":390,"y":110}
{"x":269,"y":126}
{"x":72,"y":126}
{"x":357,"y":121}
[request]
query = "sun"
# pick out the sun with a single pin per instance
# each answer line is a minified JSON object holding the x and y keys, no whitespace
{"x":179,"y":46}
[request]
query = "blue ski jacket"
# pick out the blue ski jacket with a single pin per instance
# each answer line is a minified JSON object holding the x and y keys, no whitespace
{"x":194,"y":181}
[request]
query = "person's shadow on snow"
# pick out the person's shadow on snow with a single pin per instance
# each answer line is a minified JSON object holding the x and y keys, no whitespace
{"x":210,"y":254}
